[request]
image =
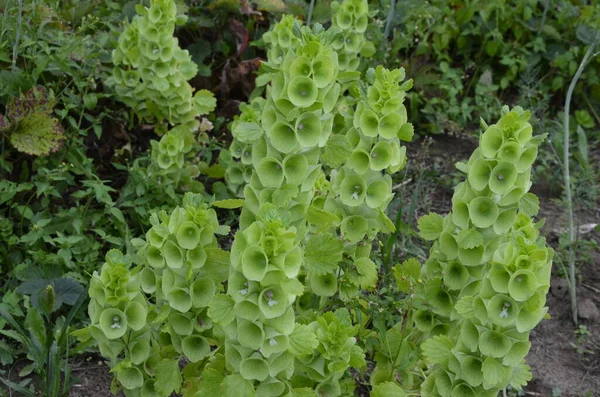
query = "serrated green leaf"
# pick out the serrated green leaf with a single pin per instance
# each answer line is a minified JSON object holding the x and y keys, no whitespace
{"x":168,"y":377}
{"x":247,"y":132}
{"x":37,"y":134}
{"x":529,"y":204}
{"x":521,"y":375}
{"x":302,"y":341}
{"x":404,"y":273}
{"x":430,"y":226}
{"x":367,"y":273}
{"x":469,"y":238}
{"x":323,"y":252}
{"x":205,"y":101}
{"x":464,"y":306}
{"x":293,"y":286}
{"x":387,"y":389}
{"x":438,"y":349}
{"x":493,"y":373}
{"x":235,"y":385}
{"x":584,"y":119}
{"x":220,"y":309}
{"x":462,"y":166}
{"x":322,"y":218}
{"x":229,"y":203}
{"x":337,"y":151}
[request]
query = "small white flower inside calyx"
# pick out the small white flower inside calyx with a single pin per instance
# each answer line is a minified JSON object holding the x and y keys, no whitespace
{"x":504,"y":312}
{"x":116,"y":322}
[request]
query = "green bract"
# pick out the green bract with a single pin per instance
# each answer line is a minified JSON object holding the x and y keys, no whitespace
{"x":151,"y":72}
{"x":488,"y":269}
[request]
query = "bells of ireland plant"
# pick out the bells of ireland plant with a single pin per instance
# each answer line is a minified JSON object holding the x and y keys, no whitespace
{"x":352,"y":202}
{"x":173,"y":160}
{"x":150,"y":316}
{"x":151,"y":71}
{"x":351,"y":17}
{"x":488,"y":271}
{"x":263,"y":341}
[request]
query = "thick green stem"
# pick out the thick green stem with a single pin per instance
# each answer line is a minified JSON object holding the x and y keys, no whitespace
{"x":572,"y":283}
{"x":390,"y":18}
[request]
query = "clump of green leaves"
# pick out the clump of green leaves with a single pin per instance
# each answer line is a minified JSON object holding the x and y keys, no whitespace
{"x":44,"y":333}
{"x":151,"y":71}
{"x":30,"y":124}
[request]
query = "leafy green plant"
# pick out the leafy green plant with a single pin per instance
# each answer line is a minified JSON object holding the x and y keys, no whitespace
{"x":151,"y":72}
{"x":45,"y":333}
{"x":488,"y":271}
{"x":29,"y":123}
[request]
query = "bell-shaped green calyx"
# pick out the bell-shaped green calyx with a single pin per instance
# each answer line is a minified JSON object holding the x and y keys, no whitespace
{"x":250,"y":334}
{"x":155,"y":257}
{"x":254,"y":263}
{"x":302,"y":91}
{"x":140,"y":351}
{"x":270,"y":172}
{"x":483,"y":212}
{"x":479,"y":174}
{"x":323,"y":284}
{"x":272,"y":302}
{"x":522,"y":285}
{"x":136,"y":315}
{"x":173,"y":255}
{"x":113,"y":323}
{"x":202,"y":291}
{"x":503,"y":177}
{"x":354,"y":228}
{"x":254,"y":368}
{"x":195,"y":347}
{"x":283,"y":137}
{"x":308,"y":129}
{"x":188,"y":235}
{"x":353,"y":190}
{"x":181,"y":323}
{"x":130,"y":378}
{"x":491,"y":141}
{"x":381,"y":156}
{"x":295,"y":168}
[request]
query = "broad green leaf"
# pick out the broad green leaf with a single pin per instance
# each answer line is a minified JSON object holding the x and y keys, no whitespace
{"x":493,"y":373}
{"x":229,"y":203}
{"x":235,"y":385}
{"x":168,"y":377}
{"x":302,"y":341}
{"x":322,"y":218}
{"x":220,"y":309}
{"x":337,"y":151}
{"x":469,"y":238}
{"x":584,"y":119}
{"x":529,"y":204}
{"x":438,"y":349}
{"x":323,"y":252}
{"x":217,"y":264}
{"x":38,"y":134}
{"x":367,"y":271}
{"x":247,"y":132}
{"x":387,"y":389}
{"x":464,"y":306}
{"x":68,"y":290}
{"x":406,"y":272}
{"x":430,"y":226}
{"x":205,"y":101}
